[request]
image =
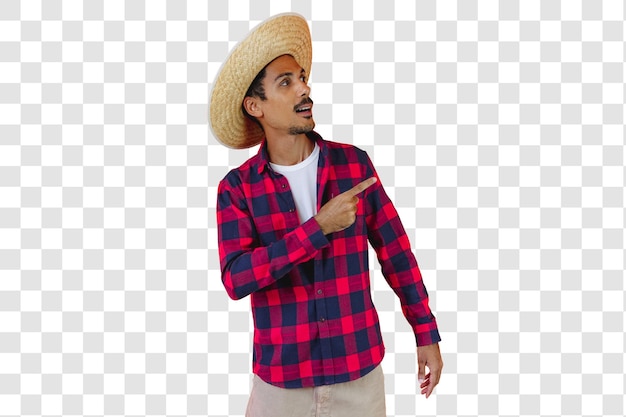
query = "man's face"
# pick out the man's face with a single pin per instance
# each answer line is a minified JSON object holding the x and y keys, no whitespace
{"x":287,"y":108}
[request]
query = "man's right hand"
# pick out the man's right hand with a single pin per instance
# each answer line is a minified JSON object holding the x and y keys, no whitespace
{"x":340,"y":212}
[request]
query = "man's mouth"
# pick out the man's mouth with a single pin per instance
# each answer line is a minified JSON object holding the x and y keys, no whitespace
{"x":305,"y":107}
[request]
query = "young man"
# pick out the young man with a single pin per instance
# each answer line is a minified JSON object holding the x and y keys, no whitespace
{"x":294,"y":223}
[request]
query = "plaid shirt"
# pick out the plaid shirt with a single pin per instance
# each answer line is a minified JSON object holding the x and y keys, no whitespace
{"x":314,"y":320}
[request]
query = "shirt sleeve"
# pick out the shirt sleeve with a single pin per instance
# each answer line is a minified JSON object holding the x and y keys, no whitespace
{"x":246,"y":265}
{"x":399,"y":266}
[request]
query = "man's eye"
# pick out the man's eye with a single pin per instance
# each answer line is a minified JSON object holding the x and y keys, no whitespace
{"x":285,"y":82}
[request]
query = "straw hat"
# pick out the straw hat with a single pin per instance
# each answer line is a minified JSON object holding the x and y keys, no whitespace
{"x":283,"y":34}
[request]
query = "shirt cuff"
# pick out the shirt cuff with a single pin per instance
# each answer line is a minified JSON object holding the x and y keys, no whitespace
{"x":311,"y":236}
{"x":427,"y":334}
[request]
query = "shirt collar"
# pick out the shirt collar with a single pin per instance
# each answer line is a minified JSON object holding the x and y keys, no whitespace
{"x":263,"y":160}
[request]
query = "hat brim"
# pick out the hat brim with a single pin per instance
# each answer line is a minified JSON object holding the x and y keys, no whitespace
{"x":283,"y":34}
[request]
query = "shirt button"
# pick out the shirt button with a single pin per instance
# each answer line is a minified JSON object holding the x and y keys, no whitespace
{"x":284,"y":185}
{"x":322,"y":319}
{"x":291,"y":210}
{"x":320,"y":292}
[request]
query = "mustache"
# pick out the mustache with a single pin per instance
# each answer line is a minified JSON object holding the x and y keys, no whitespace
{"x":303,"y":102}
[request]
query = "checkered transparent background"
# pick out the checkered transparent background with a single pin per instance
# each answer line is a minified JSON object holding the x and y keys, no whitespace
{"x":497,"y":128}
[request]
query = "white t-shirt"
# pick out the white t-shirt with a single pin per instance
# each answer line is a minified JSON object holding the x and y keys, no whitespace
{"x":302,"y":178}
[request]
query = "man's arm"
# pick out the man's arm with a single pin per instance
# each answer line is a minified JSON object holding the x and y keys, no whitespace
{"x":246,"y":265}
{"x":399,"y":267}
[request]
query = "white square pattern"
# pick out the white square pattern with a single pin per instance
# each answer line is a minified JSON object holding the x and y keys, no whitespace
{"x":497,"y":128}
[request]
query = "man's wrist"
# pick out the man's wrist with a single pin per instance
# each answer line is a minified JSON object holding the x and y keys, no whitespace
{"x":320,"y":224}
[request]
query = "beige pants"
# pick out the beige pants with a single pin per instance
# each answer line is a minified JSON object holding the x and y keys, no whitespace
{"x":364,"y":397}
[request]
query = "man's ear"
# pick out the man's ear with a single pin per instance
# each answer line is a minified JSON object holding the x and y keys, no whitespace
{"x":252,"y":107}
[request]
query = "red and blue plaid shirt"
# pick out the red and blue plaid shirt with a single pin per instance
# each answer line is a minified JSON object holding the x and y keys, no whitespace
{"x":314,"y":320}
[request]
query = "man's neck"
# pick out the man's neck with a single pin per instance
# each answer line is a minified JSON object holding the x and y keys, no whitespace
{"x":289,"y":150}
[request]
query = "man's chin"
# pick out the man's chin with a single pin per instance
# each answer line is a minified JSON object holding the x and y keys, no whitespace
{"x":301,"y":130}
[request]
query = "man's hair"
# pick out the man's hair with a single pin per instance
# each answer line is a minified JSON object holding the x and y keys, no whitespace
{"x":255,"y":90}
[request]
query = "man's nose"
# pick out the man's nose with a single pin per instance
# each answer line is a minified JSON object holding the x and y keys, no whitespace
{"x":305,"y":89}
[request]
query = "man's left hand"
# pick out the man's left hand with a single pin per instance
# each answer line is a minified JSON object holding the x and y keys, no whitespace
{"x":429,"y":356}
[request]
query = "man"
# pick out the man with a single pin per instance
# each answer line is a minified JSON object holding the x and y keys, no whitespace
{"x":294,"y":223}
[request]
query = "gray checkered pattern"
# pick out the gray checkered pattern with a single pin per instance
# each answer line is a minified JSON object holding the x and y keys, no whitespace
{"x":497,"y":128}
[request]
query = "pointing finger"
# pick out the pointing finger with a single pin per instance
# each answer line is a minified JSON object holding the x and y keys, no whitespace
{"x":362,"y":186}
